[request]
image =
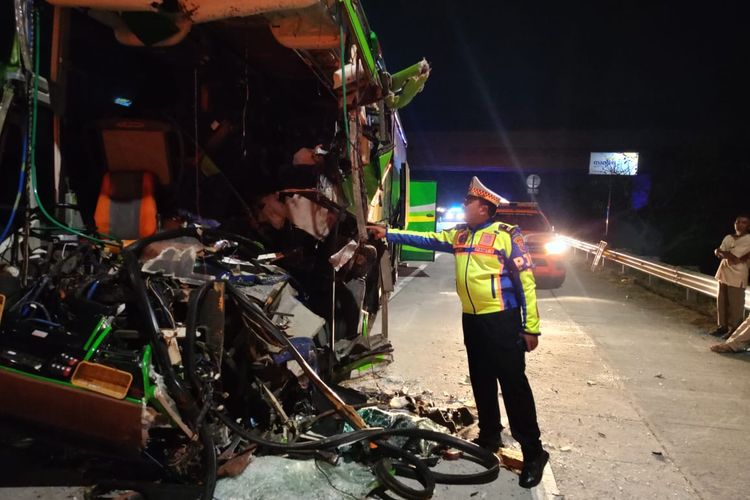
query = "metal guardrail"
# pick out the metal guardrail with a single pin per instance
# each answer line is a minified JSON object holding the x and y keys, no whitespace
{"x":701,"y":283}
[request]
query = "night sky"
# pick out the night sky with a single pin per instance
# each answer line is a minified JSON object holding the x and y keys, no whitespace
{"x":657,"y":69}
{"x":579,"y":65}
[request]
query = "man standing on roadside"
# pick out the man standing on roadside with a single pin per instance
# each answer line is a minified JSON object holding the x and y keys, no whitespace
{"x":500,"y":319}
{"x":732,"y":277}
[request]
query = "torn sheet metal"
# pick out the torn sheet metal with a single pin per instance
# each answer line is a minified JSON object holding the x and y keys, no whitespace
{"x":199,"y":11}
{"x":309,"y":216}
{"x":311,"y":28}
{"x":296,"y":319}
{"x":175,"y":259}
{"x":406,"y":84}
{"x":340,"y":258}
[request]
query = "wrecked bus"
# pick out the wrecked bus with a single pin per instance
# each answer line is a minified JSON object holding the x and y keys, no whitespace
{"x":274,"y":121}
{"x":185,"y":265}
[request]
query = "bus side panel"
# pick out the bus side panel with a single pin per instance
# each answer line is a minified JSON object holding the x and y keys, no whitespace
{"x":420,"y":217}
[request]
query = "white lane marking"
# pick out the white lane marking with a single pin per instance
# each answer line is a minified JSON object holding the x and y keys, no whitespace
{"x":405,"y":281}
{"x":547,"y":489}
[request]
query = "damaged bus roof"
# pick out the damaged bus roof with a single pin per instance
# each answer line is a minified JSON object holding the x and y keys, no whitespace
{"x":306,"y":25}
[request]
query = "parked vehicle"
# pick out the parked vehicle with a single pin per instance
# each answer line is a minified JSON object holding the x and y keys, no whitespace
{"x":548,"y":252}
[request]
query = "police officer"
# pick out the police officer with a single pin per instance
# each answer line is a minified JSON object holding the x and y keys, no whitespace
{"x":500,"y":319}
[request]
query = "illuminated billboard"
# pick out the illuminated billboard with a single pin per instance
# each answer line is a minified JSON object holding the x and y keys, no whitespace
{"x":613,"y":164}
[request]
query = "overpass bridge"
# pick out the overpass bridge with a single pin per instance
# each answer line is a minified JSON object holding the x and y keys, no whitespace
{"x":542,"y":151}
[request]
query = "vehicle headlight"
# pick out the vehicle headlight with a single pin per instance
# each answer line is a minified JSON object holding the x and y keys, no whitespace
{"x":556,"y":247}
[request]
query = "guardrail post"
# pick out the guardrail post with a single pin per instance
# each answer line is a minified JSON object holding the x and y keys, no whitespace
{"x":598,"y":258}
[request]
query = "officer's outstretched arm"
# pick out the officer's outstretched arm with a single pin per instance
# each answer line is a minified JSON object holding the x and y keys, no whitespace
{"x":377,"y":232}
{"x":441,"y":242}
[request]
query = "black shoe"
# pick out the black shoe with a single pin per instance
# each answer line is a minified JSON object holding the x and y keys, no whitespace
{"x":489,"y":445}
{"x":533,"y":470}
{"x":719,"y":332}
{"x":727,"y":335}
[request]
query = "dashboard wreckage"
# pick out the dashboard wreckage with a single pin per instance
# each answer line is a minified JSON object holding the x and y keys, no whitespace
{"x":186,"y":272}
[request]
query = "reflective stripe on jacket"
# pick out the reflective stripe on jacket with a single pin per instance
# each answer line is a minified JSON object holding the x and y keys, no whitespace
{"x":493,"y":267}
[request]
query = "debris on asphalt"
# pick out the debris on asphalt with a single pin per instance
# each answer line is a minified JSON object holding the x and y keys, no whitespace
{"x":511,"y":459}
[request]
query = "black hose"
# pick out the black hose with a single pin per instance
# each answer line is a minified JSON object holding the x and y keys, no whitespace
{"x":183,"y":398}
{"x":483,"y":457}
{"x":177,"y":391}
{"x":259,"y":315}
{"x":209,"y":462}
{"x":474,"y":453}
{"x":38,"y":305}
{"x":196,"y":298}
{"x":420,"y":472}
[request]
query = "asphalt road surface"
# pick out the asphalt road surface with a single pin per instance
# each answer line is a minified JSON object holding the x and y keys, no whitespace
{"x":631,"y":402}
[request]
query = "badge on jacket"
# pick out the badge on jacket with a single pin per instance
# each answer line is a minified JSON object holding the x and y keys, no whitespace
{"x":487,"y":240}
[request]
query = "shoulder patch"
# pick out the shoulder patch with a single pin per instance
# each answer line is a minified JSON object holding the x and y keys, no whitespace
{"x":506,"y":227}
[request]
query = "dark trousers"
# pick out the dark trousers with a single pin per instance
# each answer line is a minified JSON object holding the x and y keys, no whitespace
{"x":497,"y":353}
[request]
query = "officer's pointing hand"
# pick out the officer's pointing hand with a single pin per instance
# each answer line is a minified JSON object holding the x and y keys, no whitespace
{"x":377,"y":232}
{"x":531,"y":341}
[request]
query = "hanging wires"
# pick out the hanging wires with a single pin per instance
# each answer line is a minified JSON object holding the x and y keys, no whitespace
{"x":196,"y":148}
{"x":19,"y":192}
{"x":34,"y":39}
{"x":343,"y":78}
{"x":246,"y":102}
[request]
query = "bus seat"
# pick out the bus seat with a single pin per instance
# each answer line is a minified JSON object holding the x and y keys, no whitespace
{"x":126,"y":208}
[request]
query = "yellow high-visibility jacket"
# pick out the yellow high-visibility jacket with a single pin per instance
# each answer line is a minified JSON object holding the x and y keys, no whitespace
{"x":493,"y":267}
